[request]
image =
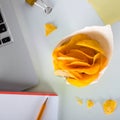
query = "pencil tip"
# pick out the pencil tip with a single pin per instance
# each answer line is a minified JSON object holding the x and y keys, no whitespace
{"x":46,"y":100}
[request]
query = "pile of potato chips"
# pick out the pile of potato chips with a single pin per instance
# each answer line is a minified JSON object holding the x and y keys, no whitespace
{"x":79,"y":59}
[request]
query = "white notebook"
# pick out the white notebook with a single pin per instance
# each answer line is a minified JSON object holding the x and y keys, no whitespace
{"x":26,"y":106}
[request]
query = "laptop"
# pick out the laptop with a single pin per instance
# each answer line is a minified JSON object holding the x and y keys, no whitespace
{"x":16,"y":67}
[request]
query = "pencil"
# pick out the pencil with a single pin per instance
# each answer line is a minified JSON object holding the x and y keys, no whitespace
{"x":42,"y":110}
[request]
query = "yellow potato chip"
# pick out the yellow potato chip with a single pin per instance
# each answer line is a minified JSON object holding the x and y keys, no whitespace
{"x":70,"y":44}
{"x":62,"y":48}
{"x":63,"y":73}
{"x":90,"y":103}
{"x":58,"y":64}
{"x":88,"y":70}
{"x":78,"y":55}
{"x":76,"y":38}
{"x":55,"y":63}
{"x":75,"y":56}
{"x":96,"y":57}
{"x":79,"y":100}
{"x":61,"y":56}
{"x":104,"y":62}
{"x":68,"y":58}
{"x":88,"y":51}
{"x":77,"y":64}
{"x":49,"y":28}
{"x":84,"y":81}
{"x":109,"y":106}
{"x":91,"y":44}
{"x":93,"y":69}
{"x":58,"y":51}
{"x":76,"y":75}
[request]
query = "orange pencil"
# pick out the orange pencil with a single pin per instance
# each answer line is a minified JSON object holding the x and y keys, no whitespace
{"x":42,"y":110}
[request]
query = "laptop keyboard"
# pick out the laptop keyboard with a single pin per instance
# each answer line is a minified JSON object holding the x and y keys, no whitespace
{"x":1,"y":19}
{"x":4,"y":33}
{"x":3,"y":28}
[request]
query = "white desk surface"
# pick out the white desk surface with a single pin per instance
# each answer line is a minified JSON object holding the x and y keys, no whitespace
{"x":68,"y":16}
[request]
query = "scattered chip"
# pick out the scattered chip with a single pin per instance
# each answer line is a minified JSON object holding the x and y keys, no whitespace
{"x":109,"y":106}
{"x":49,"y":28}
{"x":90,"y":103}
{"x":80,"y":101}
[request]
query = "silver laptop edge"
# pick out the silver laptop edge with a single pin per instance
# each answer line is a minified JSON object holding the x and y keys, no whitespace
{"x":16,"y":68}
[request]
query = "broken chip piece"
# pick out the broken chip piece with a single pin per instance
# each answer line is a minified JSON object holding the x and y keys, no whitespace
{"x":90,"y":103}
{"x":109,"y":106}
{"x":79,"y":100}
{"x":49,"y":28}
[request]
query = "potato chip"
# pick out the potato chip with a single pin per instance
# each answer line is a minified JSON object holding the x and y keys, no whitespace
{"x":68,"y":58}
{"x":49,"y":28}
{"x":88,"y":70}
{"x":90,"y":103}
{"x":84,"y":81}
{"x":76,"y":38}
{"x":109,"y":106}
{"x":79,"y":55}
{"x":91,"y":44}
{"x":58,"y":64}
{"x":61,"y":56}
{"x":93,"y":69}
{"x":96,"y":57}
{"x":61,"y":63}
{"x":77,"y":64}
{"x":75,"y":56}
{"x":79,"y":100}
{"x":56,"y":67}
{"x":62,"y":49}
{"x":76,"y":75}
{"x":70,"y":44}
{"x":88,"y":51}
{"x":104,"y":62}
{"x":63,"y":73}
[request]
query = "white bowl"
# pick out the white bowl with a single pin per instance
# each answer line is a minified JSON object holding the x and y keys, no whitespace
{"x":103,"y":34}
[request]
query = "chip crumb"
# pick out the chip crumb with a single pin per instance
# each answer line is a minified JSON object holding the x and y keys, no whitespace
{"x":109,"y":106}
{"x":79,"y":100}
{"x":49,"y":28}
{"x":90,"y":103}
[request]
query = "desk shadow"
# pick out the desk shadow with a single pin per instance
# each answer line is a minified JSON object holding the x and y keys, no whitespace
{"x":43,"y":87}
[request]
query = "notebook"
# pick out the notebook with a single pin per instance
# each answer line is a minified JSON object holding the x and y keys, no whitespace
{"x":26,"y":106}
{"x":16,"y":68}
